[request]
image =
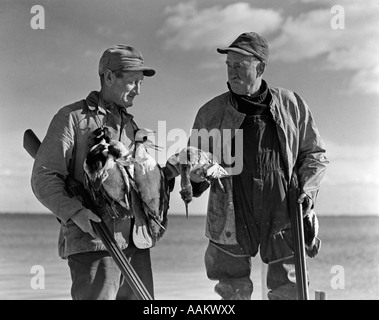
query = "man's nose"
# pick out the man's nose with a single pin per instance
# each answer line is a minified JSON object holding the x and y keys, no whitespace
{"x":232,"y":72}
{"x":137,"y":88}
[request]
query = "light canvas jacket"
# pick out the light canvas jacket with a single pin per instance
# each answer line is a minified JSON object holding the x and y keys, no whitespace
{"x":301,"y":145}
{"x":63,"y":152}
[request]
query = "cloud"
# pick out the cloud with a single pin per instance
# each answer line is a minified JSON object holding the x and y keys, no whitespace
{"x":188,"y":27}
{"x":302,"y":37}
{"x":352,"y":48}
{"x":107,"y":32}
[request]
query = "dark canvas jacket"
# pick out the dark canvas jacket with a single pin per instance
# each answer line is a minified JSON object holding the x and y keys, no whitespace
{"x":301,"y":145}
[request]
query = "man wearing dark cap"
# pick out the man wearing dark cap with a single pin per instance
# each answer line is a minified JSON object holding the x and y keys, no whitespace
{"x":62,"y":153}
{"x":280,"y":142}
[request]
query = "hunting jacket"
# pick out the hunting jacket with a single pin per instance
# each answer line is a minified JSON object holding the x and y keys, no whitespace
{"x":302,"y":150}
{"x":62,"y":153}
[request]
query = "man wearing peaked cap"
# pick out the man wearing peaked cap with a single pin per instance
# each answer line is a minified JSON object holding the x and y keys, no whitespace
{"x":249,"y":44}
{"x":126,"y":58}
{"x":62,"y":153}
{"x":119,"y":66}
{"x":277,"y":140}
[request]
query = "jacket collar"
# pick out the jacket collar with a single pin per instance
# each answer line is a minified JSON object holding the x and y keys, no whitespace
{"x":231,"y":107}
{"x":96,"y":103}
{"x":238,"y":117}
{"x":275,"y":105}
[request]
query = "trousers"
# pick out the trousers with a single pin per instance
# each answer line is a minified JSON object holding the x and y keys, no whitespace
{"x":262,"y":219}
{"x":95,"y":275}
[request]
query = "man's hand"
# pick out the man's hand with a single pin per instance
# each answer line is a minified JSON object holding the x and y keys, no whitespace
{"x":83,"y":220}
{"x":170,"y":171}
{"x":197,"y":176}
{"x":307,"y":203}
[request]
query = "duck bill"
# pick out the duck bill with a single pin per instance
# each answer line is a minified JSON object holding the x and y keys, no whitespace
{"x":186,"y":205}
{"x":149,"y":144}
{"x":158,"y":223}
{"x":97,"y":183}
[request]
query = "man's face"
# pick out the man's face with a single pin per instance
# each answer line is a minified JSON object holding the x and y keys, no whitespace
{"x":123,"y":90}
{"x":242,"y":73}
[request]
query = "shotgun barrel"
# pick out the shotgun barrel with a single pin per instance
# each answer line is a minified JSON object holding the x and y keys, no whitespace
{"x":297,"y":228}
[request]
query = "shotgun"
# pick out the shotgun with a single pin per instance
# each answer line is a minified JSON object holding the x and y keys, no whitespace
{"x":296,"y":217}
{"x":31,"y":144}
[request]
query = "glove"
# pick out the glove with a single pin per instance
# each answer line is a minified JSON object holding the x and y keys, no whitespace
{"x":307,"y":203}
{"x":197,"y":175}
{"x":311,"y":228}
{"x":83,"y":220}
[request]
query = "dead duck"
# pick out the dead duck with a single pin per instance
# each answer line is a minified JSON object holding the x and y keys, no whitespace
{"x":106,"y":173}
{"x":192,"y":159}
{"x":151,"y":188}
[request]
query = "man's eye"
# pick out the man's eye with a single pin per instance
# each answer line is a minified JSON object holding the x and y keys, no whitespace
{"x":234,"y":65}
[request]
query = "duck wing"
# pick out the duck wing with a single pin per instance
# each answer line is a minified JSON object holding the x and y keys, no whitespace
{"x":141,"y":234}
{"x":147,"y":176}
{"x":116,"y":190}
{"x":113,"y":193}
{"x":153,"y":190}
{"x":191,"y":159}
{"x":158,"y":224}
{"x":105,"y":176}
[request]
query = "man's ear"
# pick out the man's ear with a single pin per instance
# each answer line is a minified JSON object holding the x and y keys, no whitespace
{"x":261,"y":67}
{"x":108,"y":77}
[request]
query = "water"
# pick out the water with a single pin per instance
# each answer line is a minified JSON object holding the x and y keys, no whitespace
{"x":347,"y":266}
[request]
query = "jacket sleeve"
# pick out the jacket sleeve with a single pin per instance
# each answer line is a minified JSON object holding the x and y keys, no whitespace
{"x":51,"y":167}
{"x":311,"y":161}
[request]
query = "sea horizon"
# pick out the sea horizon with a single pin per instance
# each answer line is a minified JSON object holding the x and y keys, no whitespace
{"x":357,"y":215}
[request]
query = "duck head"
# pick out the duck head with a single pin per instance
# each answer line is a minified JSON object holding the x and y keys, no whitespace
{"x":141,"y":137}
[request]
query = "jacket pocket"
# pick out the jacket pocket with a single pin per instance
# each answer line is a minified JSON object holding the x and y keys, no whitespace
{"x":281,"y":244}
{"x":217,"y":211}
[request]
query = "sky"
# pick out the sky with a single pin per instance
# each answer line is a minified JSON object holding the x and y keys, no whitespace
{"x":328,"y":54}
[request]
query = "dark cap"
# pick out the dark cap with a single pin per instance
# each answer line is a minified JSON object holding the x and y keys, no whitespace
{"x":122,"y":57}
{"x":250,"y":44}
